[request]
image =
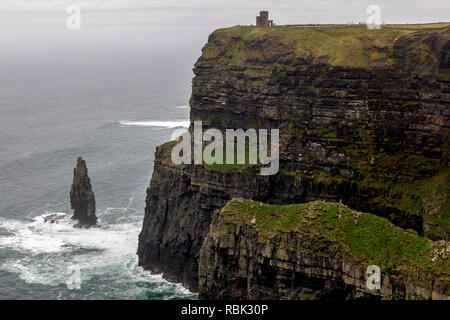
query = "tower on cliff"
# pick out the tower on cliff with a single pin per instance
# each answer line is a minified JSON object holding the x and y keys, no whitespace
{"x":263,"y":19}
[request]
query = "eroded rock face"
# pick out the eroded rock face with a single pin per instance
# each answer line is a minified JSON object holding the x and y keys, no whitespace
{"x":302,"y":252}
{"x":375,"y":136}
{"x":82,"y":199}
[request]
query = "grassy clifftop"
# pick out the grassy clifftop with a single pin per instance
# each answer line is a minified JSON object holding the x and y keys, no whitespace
{"x":334,"y":229}
{"x":337,"y":45}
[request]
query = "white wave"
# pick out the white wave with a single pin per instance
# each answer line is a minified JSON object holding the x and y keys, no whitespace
{"x":27,"y":237}
{"x":164,"y":124}
{"x":47,"y":250}
{"x":182,"y":107}
{"x":40,"y":237}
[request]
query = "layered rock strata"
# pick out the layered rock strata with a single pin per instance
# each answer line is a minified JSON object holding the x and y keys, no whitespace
{"x":363,"y":118}
{"x":317,"y":250}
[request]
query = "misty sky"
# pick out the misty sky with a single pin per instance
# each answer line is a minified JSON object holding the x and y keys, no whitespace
{"x":34,"y":30}
{"x":230,"y":12}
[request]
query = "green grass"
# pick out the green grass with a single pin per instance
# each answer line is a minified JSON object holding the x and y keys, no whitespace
{"x":334,"y":229}
{"x":166,"y":149}
{"x":348,"y":46}
{"x":229,"y":167}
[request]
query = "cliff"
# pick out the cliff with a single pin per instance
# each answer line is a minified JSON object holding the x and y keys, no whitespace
{"x":316,"y":250}
{"x":363,"y":118}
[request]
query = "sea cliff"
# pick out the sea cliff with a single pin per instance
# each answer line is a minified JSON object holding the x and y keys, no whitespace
{"x":317,"y":250}
{"x":363,"y":118}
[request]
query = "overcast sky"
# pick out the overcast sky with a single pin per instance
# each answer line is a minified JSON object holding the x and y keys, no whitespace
{"x":230,"y":12}
{"x":36,"y":29}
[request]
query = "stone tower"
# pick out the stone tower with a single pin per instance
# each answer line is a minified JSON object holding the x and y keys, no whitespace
{"x":263,"y":19}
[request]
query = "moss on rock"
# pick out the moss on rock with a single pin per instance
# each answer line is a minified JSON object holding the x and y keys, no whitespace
{"x":334,"y":229}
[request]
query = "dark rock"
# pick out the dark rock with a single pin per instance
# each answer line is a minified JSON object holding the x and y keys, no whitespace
{"x":55,"y":217}
{"x":82,"y":199}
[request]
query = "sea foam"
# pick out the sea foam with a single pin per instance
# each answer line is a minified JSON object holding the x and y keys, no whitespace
{"x":47,"y":250}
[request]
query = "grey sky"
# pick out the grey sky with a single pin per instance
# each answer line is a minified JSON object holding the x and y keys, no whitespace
{"x":34,"y":30}
{"x":230,"y":12}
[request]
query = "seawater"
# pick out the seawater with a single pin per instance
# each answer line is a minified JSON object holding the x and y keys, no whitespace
{"x":113,"y":110}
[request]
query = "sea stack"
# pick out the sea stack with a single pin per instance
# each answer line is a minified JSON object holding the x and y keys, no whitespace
{"x":82,"y":199}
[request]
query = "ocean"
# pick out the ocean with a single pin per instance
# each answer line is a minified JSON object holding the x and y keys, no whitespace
{"x":113,"y":109}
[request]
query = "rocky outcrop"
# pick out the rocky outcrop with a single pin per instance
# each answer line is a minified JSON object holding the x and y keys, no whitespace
{"x":363,"y":119}
{"x":82,"y":199}
{"x":316,"y":250}
{"x":54,"y":217}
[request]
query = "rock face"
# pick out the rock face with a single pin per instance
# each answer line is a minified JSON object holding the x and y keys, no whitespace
{"x":363,"y":116}
{"x":316,"y":250}
{"x":82,"y":199}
